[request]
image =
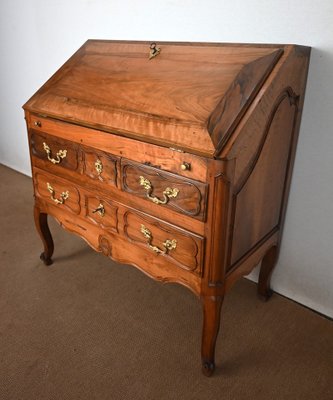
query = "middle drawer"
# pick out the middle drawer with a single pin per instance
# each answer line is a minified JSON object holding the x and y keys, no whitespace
{"x":184,"y":195}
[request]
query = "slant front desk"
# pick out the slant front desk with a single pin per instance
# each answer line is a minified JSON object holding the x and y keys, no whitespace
{"x":175,"y":158}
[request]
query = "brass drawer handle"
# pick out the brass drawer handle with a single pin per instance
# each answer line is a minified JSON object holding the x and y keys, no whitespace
{"x":169,"y":244}
{"x":63,"y":196}
{"x":167,"y":194}
{"x":100,"y":210}
{"x":99,"y":167}
{"x":60,"y":155}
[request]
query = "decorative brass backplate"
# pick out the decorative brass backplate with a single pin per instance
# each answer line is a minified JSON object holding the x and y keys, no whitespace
{"x":168,"y":193}
{"x":59,"y":156}
{"x":99,"y":167}
{"x":100,"y":210}
{"x":63,"y":196}
{"x":169,"y":244}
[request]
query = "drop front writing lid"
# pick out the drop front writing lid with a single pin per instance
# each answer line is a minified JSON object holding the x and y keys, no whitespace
{"x":188,"y":96}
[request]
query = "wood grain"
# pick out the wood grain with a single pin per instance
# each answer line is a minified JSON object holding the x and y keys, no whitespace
{"x":189,"y":250}
{"x":70,"y":161}
{"x":238,"y":97}
{"x":174,"y":94}
{"x":191,"y":196}
{"x":217,"y":122}
{"x":168,"y":159}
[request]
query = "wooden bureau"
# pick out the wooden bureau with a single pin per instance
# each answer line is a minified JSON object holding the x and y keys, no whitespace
{"x":175,"y":158}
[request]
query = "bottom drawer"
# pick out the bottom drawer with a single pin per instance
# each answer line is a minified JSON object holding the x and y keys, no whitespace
{"x":153,"y":242}
{"x":178,"y":246}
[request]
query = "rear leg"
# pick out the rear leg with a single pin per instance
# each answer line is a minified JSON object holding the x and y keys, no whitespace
{"x":267,"y":265}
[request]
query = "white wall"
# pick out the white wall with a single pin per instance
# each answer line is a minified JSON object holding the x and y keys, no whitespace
{"x":37,"y":36}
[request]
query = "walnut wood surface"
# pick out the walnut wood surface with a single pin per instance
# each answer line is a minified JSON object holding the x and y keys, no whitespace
{"x":234,"y":113}
{"x":190,"y":200}
{"x":119,"y":248}
{"x":238,"y":97}
{"x":266,"y":269}
{"x":167,"y":159}
{"x":108,"y":164}
{"x":175,"y":93}
{"x":45,"y":235}
{"x":258,"y":202}
{"x":189,"y":250}
{"x":109,"y":219}
{"x":60,"y":186}
{"x":70,"y":161}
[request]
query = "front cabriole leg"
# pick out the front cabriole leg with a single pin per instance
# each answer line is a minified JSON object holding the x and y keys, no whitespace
{"x":45,"y":234}
{"x":211,"y":324}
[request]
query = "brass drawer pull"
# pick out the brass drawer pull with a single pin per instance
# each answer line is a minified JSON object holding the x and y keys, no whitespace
{"x":100,"y":210}
{"x":60,"y":155}
{"x":185,"y":166}
{"x":168,"y":244}
{"x":99,"y":167}
{"x":167,"y":194}
{"x":63,"y":196}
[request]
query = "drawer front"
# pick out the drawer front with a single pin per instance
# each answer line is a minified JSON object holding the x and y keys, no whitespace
{"x":185,"y":164}
{"x":163,"y":240}
{"x":165,"y":189}
{"x":55,"y":151}
{"x":151,"y":241}
{"x":101,"y":212}
{"x":57,"y":192}
{"x":100,"y":166}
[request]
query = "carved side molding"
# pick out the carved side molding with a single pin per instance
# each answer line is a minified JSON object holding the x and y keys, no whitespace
{"x":104,"y":245}
{"x":293,"y":98}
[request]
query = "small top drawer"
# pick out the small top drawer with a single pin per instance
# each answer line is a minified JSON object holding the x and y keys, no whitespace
{"x":54,"y":151}
{"x":164,"y":188}
{"x":99,"y":165}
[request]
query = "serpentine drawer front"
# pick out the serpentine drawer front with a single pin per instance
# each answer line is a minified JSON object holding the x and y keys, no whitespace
{"x":175,"y":158}
{"x":182,"y":194}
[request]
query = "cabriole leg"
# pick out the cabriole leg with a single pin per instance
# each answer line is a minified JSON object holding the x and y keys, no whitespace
{"x":267,"y":265}
{"x":45,"y":234}
{"x":211,"y":324}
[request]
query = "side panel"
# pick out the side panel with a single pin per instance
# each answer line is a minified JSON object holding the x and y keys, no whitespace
{"x":258,"y":202}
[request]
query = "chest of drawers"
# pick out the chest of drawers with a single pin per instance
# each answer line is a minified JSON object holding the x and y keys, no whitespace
{"x":175,"y":158}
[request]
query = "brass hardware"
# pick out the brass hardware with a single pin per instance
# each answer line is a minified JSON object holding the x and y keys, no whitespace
{"x":154,"y":51}
{"x":63,"y":196}
{"x":99,"y":167}
{"x":185,"y":166}
{"x":60,"y":155}
{"x":38,"y":124}
{"x":167,"y":194}
{"x":169,"y":244}
{"x":100,"y":210}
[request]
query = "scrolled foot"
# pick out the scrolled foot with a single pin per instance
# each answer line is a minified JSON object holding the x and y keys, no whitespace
{"x":208,"y":368}
{"x":46,"y":260}
{"x":265,"y":296}
{"x":268,"y":263}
